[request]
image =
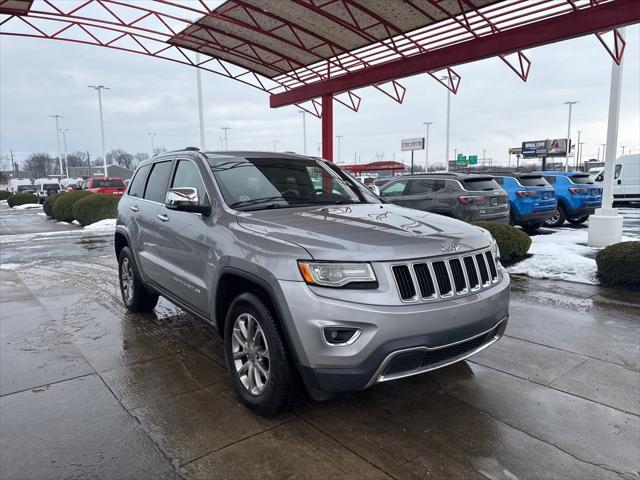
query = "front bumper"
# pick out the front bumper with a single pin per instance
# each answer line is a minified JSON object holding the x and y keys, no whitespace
{"x":387,"y":331}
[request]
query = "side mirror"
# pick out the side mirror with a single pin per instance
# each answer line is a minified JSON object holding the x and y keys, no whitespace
{"x":185,"y":199}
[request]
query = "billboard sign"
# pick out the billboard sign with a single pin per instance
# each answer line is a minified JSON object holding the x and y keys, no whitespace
{"x":535,"y":148}
{"x":557,"y":147}
{"x":410,"y":144}
{"x":515,"y":151}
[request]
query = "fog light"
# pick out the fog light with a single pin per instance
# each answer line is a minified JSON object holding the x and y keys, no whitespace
{"x":340,"y":335}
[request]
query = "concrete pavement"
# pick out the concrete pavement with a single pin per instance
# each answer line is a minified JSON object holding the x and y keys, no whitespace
{"x":88,"y":390}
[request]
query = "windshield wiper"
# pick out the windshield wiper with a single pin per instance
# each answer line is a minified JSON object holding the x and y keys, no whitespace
{"x":256,"y":201}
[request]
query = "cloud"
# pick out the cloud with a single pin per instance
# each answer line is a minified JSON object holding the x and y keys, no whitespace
{"x":494,"y":109}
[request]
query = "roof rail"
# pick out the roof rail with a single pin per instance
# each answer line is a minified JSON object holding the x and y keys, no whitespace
{"x":192,"y":149}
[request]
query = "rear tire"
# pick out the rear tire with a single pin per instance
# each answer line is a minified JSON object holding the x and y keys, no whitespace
{"x":135,"y":295}
{"x":532,"y":227}
{"x":578,"y":221}
{"x":558,"y":219}
{"x":258,"y":362}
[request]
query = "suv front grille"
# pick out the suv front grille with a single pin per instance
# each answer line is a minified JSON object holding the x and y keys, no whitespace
{"x":443,"y":278}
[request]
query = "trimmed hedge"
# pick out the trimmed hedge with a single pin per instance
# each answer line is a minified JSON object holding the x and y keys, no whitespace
{"x":49,"y":202}
{"x":512,"y":242}
{"x":96,"y":207}
{"x":4,"y":194}
{"x":21,"y":199}
{"x":63,"y":206}
{"x":619,"y":264}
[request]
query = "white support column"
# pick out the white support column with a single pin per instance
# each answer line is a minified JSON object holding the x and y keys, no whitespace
{"x":605,"y":227}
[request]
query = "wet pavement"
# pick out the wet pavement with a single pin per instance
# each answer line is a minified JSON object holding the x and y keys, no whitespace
{"x":88,"y":390}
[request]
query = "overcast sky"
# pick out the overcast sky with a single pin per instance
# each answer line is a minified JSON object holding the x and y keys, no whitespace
{"x":494,"y":109}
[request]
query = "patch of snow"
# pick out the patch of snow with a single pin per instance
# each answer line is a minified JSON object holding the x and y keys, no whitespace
{"x":108,"y":225}
{"x":10,"y":266}
{"x":42,"y":214}
{"x":76,"y":222}
{"x":62,"y":223}
{"x":563,"y":255}
{"x":3,"y":202}
{"x":26,"y":206}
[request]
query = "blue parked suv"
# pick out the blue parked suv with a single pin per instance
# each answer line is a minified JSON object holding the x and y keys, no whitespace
{"x":578,"y":197}
{"x":532,"y":199}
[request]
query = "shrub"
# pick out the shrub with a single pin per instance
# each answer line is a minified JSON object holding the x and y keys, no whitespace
{"x":63,"y":206}
{"x":512,"y":242}
{"x":619,"y":264}
{"x":50,"y":202}
{"x":95,"y":208}
{"x":21,"y":199}
{"x":4,"y":194}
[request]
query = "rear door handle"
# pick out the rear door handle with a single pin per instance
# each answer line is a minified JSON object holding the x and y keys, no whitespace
{"x":163,"y":217}
{"x":134,"y":208}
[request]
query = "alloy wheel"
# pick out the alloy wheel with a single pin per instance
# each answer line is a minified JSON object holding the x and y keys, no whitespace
{"x":250,"y":353}
{"x":126,"y":278}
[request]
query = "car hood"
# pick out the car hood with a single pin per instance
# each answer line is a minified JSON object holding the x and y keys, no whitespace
{"x":370,"y":232}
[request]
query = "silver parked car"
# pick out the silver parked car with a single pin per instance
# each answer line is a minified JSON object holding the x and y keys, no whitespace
{"x":313,"y":282}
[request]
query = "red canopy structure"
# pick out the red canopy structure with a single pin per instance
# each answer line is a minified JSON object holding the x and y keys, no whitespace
{"x":312,"y":52}
{"x":393,"y":167}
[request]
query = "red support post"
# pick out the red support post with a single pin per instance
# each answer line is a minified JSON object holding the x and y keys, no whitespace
{"x":327,"y":127}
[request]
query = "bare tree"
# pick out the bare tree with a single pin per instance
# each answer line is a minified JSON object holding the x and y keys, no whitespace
{"x":121,"y":157}
{"x":140,"y":157}
{"x":41,"y":164}
{"x":77,"y":159}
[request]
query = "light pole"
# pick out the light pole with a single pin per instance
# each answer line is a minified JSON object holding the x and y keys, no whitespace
{"x":581,"y":147}
{"x":426,"y":148}
{"x":304,"y":130}
{"x":275,"y":145}
{"x":604,"y":149}
{"x":484,"y":157}
{"x":339,"y":137}
{"x":58,"y":135}
{"x":153,"y":147}
{"x":221,"y":142}
{"x":577,"y":151}
{"x":200,"y":109}
{"x":99,"y":88}
{"x":623,"y":147}
{"x":66,"y":152}
{"x":571,"y":103}
{"x":226,"y":140}
{"x":446,"y":162}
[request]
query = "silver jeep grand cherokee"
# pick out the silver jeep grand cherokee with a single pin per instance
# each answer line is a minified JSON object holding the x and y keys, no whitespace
{"x":311,"y":279}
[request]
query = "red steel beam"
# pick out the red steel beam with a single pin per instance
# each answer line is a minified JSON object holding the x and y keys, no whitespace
{"x":563,"y":27}
{"x":327,"y":127}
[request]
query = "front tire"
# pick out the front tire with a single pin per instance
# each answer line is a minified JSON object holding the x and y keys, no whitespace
{"x":558,"y":219}
{"x":135,"y":296}
{"x":258,"y":363}
{"x":578,"y":221}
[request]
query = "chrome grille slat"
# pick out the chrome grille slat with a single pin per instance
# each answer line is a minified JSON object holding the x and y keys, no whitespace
{"x":445,"y":277}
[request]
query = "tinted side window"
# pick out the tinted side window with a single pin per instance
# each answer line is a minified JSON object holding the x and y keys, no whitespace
{"x":420,"y":187}
{"x":616,"y":174}
{"x":394,"y":189}
{"x":136,"y":188}
{"x":551,"y":179}
{"x":157,"y":184}
{"x":187,"y":175}
{"x":499,"y":180}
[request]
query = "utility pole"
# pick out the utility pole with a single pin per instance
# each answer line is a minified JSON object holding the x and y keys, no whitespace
{"x":226,"y":140}
{"x":571,"y":103}
{"x":66,"y":152}
{"x":153,"y":147}
{"x":99,"y":88}
{"x":604,"y":149}
{"x":339,"y":137}
{"x":304,"y":131}
{"x":56,"y":116}
{"x":426,"y":148}
{"x":577,"y":150}
{"x":446,"y":160}
{"x":200,"y":107}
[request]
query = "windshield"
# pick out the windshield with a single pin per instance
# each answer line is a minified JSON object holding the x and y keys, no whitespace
{"x":480,"y":184}
{"x":260,"y":183}
{"x":113,"y":183}
{"x":22,"y":188}
{"x":581,"y":179}
{"x":533,"y":181}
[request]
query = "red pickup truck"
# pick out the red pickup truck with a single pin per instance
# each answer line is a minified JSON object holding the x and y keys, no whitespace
{"x":104,"y":185}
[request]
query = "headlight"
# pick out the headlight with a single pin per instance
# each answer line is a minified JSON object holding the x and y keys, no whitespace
{"x":495,"y":249}
{"x":328,"y":274}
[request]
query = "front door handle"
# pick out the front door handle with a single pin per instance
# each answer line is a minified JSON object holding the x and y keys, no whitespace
{"x":163,"y":217}
{"x":134,"y":208}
